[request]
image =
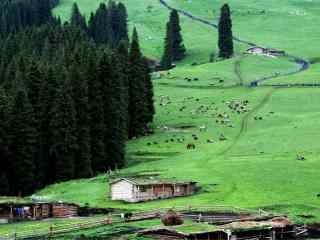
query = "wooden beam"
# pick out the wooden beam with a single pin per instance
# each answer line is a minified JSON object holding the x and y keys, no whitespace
{"x":11,"y":212}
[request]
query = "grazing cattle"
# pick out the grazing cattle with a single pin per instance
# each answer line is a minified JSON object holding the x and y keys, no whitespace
{"x":222,"y":138}
{"x":191,"y":146}
{"x":203,"y":128}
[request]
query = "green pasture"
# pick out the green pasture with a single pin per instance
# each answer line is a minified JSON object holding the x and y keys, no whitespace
{"x":257,"y":166}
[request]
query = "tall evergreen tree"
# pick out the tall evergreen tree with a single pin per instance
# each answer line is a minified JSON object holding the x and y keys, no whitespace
{"x":124,"y":64}
{"x":22,"y":143}
{"x":4,"y":147}
{"x":63,"y":127}
{"x":174,"y":50}
{"x":110,"y":86}
{"x":225,"y":33}
{"x":97,"y":123}
{"x":149,"y":101}
{"x":102,"y":32}
{"x":178,"y":49}
{"x":83,"y":155}
{"x":77,"y":19}
{"x":123,"y":24}
{"x":33,"y":78}
{"x":137,"y":125}
{"x":46,"y":166}
{"x":167,"y":58}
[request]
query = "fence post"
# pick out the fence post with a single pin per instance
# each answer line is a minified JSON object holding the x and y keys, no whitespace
{"x":50,"y":231}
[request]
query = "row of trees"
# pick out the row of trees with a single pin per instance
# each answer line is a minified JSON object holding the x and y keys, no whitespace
{"x":174,"y":49}
{"x":108,"y":25}
{"x":16,"y":15}
{"x":68,"y":104}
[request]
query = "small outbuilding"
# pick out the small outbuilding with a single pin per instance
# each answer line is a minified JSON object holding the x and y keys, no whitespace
{"x":146,"y":189}
{"x":270,"y":52}
{"x":20,"y":211}
{"x":256,"y":50}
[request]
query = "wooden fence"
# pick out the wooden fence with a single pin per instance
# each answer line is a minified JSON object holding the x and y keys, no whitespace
{"x":56,"y":230}
{"x":135,"y":216}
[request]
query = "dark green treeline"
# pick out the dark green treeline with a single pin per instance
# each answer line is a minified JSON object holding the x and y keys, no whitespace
{"x":70,"y":99}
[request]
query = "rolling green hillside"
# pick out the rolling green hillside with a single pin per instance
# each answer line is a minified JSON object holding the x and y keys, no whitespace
{"x":256,"y":167}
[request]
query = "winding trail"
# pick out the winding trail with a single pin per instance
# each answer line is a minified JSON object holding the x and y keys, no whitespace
{"x":303,"y":63}
{"x":245,"y":120}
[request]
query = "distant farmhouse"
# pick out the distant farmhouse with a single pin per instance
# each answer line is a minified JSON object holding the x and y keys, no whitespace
{"x":146,"y":189}
{"x":265,"y":51}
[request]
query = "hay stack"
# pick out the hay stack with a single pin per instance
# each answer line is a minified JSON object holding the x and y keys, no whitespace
{"x":171,"y":218}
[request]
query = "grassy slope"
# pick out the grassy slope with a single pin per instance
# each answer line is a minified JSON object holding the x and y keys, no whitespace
{"x":256,"y":166}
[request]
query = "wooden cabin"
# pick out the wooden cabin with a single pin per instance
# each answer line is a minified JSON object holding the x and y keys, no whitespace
{"x":146,"y":189}
{"x":12,"y":212}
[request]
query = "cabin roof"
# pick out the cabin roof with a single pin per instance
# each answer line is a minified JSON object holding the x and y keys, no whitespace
{"x":151,"y":181}
{"x":16,"y":201}
{"x":184,"y":230}
{"x":255,"y":47}
{"x":246,"y":226}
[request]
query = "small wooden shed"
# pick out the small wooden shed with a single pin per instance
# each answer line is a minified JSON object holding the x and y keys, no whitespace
{"x":146,"y":189}
{"x":19,"y":211}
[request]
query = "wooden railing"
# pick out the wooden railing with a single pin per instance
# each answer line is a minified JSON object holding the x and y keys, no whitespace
{"x":55,"y":230}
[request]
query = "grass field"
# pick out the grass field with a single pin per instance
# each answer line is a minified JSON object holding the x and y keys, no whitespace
{"x":256,"y":167}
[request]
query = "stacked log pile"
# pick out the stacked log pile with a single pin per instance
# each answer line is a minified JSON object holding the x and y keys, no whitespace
{"x":61,"y":210}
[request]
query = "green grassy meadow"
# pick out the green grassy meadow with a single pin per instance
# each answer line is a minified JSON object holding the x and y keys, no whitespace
{"x":256,"y":167}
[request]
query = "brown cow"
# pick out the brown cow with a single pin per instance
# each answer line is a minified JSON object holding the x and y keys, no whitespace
{"x":191,"y":146}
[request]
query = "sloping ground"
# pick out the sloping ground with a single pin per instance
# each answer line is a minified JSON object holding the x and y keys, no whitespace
{"x":257,"y":169}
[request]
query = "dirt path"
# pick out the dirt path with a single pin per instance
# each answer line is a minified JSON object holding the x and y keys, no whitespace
{"x":245,"y":120}
{"x":303,"y":64}
{"x":237,"y":70}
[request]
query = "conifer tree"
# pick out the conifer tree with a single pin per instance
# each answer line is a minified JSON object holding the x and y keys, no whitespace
{"x":167,"y":58}
{"x":22,"y":143}
{"x":174,"y":50}
{"x":137,"y":108}
{"x":149,"y":101}
{"x":33,"y":78}
{"x":83,"y":156}
{"x":103,"y":30}
{"x":225,"y":33}
{"x":45,"y":166}
{"x":63,"y":127}
{"x":97,"y":123}
{"x":4,"y":148}
{"x":110,"y":86}
{"x":123,"y":58}
{"x":178,"y":49}
{"x":123,"y":24}
{"x":77,"y":19}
